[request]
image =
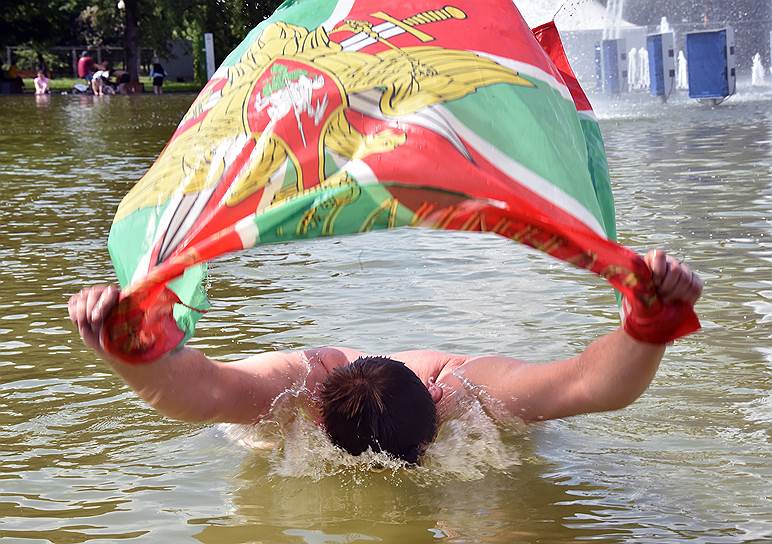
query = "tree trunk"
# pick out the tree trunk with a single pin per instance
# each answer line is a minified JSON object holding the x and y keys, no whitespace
{"x":131,"y":39}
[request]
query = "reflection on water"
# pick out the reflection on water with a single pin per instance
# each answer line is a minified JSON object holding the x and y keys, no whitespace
{"x":84,"y":459}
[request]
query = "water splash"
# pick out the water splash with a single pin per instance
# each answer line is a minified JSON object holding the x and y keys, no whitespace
{"x":467,"y":448}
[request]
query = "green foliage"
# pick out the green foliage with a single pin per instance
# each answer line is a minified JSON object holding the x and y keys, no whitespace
{"x":30,"y":59}
{"x":229,"y":21}
{"x":100,"y":23}
{"x":39,"y":24}
{"x":42,"y":22}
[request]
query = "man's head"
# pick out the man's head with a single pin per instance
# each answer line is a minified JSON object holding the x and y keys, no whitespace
{"x":378,"y":403}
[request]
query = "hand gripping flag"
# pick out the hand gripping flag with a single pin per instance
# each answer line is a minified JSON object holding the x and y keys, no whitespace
{"x":343,"y":117}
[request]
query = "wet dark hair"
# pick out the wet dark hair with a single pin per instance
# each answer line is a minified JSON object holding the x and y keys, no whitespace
{"x":378,"y":403}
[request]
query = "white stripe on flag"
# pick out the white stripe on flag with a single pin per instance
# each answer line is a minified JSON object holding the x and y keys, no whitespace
{"x":342,"y":8}
{"x":368,"y":102}
{"x":522,"y":175}
{"x":589,"y":114}
{"x":532,"y":71}
{"x":247,"y":230}
{"x":272,"y":187}
{"x":444,"y":123}
{"x":359,"y":169}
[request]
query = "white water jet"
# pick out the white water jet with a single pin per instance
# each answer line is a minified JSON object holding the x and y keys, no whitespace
{"x":643,"y":69}
{"x":632,"y":69}
{"x":638,"y":69}
{"x":758,"y":73}
{"x":682,"y":74}
{"x":614,"y":11}
{"x":664,"y":25}
{"x":569,"y":16}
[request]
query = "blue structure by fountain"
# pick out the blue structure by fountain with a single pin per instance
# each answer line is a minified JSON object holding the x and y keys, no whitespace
{"x":613,"y":66}
{"x":711,"y":64}
{"x":662,"y":69}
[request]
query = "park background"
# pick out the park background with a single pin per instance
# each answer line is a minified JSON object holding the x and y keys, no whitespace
{"x":130,"y":33}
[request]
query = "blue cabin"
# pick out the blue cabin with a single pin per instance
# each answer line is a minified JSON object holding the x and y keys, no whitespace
{"x":711,"y":64}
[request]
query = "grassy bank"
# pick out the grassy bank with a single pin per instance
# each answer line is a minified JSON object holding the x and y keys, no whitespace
{"x":65,"y":84}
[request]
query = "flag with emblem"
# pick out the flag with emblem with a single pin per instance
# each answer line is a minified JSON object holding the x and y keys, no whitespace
{"x":345,"y":117}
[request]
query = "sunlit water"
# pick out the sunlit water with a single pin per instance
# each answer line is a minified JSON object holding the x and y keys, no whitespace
{"x":83,"y":458}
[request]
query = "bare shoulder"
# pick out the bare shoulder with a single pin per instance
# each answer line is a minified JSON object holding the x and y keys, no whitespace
{"x":266,"y":375}
{"x":429,"y":364}
{"x":330,"y":357}
{"x":319,"y":362}
{"x":301,"y":364}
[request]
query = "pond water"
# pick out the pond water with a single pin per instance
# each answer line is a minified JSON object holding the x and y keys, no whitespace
{"x":83,"y":459}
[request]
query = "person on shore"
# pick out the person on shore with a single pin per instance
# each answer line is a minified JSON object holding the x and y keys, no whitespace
{"x":13,"y":71}
{"x":100,"y":82}
{"x":41,"y":83}
{"x":158,"y":74}
{"x":122,"y":80}
{"x":12,"y":75}
{"x":86,"y":66}
{"x":388,"y":403}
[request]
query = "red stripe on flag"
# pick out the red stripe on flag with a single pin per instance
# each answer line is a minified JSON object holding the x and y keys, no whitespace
{"x":549,"y":38}
{"x":427,"y":159}
{"x":216,"y":216}
{"x":493,"y":26}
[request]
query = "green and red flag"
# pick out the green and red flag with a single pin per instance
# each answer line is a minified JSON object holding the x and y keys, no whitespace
{"x":343,"y":117}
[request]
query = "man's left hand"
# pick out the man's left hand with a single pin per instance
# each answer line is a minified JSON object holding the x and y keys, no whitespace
{"x":674,"y":280}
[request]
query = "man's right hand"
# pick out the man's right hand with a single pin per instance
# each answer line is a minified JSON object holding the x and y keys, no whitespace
{"x":88,"y":310}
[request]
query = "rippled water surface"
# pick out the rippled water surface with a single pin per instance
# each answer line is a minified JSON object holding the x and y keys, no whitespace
{"x":84,"y":459}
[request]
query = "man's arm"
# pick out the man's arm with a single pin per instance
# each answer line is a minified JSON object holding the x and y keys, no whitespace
{"x":188,"y":386}
{"x":610,"y":374}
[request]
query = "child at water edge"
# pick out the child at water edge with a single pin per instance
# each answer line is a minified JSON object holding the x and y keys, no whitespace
{"x":41,"y":83}
{"x":389,"y":403}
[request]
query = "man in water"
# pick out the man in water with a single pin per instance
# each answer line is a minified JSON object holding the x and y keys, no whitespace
{"x":389,"y":403}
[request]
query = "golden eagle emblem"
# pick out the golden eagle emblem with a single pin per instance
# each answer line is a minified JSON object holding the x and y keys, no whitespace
{"x":275,"y":119}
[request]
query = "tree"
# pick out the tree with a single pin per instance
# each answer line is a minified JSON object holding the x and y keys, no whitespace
{"x":38,"y":24}
{"x":131,"y":38}
{"x":41,"y":24}
{"x":38,"y":21}
{"x":228,"y":20}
